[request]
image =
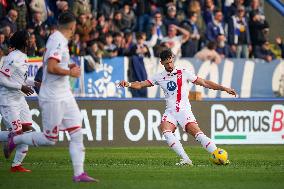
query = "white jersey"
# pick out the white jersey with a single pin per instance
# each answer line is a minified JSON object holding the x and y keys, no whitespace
{"x":176,"y":87}
{"x":56,"y":87}
{"x":15,"y":67}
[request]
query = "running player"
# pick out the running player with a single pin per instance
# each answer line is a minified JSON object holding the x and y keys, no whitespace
{"x":175,"y":84}
{"x":59,"y":108}
{"x":13,"y":106}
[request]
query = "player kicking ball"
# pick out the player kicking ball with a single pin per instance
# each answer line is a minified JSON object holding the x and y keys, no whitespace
{"x":13,"y":87}
{"x":175,"y":84}
{"x":59,"y":108}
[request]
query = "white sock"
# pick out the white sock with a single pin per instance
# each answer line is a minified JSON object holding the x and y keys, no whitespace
{"x":4,"y":136}
{"x":33,"y":138}
{"x":175,"y":144}
{"x":77,"y":152}
{"x":206,"y":142}
{"x":21,"y":152}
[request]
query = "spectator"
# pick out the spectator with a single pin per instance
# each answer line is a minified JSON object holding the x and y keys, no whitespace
{"x":21,"y":8}
{"x":6,"y":30}
{"x":233,"y":9}
{"x":194,"y":7}
{"x":152,"y":42}
{"x":137,"y":67}
{"x":255,"y":7}
{"x":190,"y":47}
{"x":94,"y":51}
{"x":264,"y":52}
{"x":75,"y":45}
{"x":37,"y":22}
{"x":3,"y":44}
{"x":208,"y":14}
{"x":10,"y":20}
{"x":109,"y":47}
{"x":258,"y":28}
{"x":41,"y":7}
{"x":223,"y":49}
{"x":128,"y":17}
{"x":83,"y":28}
{"x":238,"y":34}
{"x":32,"y":49}
{"x":209,"y":53}
{"x":118,"y":24}
{"x":143,"y":12}
{"x":173,"y":41}
{"x":280,"y":43}
{"x":62,"y":6}
{"x":159,"y":27}
{"x":108,"y":7}
{"x":171,"y":16}
{"x":119,"y":43}
{"x":128,"y":43}
{"x":82,"y":7}
{"x":216,"y":27}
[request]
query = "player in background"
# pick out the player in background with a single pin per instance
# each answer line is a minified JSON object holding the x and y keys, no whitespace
{"x":13,"y":87}
{"x":175,"y":84}
{"x":58,"y":106}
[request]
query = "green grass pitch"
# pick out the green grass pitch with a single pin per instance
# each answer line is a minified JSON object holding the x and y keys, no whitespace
{"x":252,"y":166}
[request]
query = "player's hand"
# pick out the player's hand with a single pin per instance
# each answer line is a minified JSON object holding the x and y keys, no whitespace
{"x":123,"y":84}
{"x":27,"y":90}
{"x":231,"y":91}
{"x":75,"y":71}
{"x":72,"y":65}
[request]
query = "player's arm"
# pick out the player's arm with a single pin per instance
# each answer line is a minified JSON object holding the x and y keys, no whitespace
{"x":6,"y":82}
{"x":54,"y":68}
{"x":135,"y":85}
{"x":211,"y":85}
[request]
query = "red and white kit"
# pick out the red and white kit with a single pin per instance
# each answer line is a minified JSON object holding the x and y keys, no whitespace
{"x":59,"y":108}
{"x":13,"y":106}
{"x":176,"y":87}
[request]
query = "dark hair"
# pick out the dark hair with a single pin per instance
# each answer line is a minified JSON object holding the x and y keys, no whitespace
{"x":66,"y":18}
{"x":191,"y":14}
{"x":19,"y":39}
{"x":166,"y":54}
{"x":216,"y":11}
{"x":211,"y":45}
{"x":139,"y":35}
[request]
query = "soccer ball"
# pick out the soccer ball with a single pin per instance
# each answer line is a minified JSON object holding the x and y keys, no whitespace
{"x":219,"y":157}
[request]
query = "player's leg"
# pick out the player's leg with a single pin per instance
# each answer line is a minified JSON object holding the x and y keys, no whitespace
{"x":51,"y":118}
{"x":193,"y":129}
{"x":187,"y":120}
{"x":72,"y":123}
{"x":12,"y":121}
{"x":168,"y":126}
{"x":22,"y":149}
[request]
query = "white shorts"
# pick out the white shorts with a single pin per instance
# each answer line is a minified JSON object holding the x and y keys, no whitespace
{"x":183,"y":117}
{"x":14,"y":117}
{"x":63,"y":115}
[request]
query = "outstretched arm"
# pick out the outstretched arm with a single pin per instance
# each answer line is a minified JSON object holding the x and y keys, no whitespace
{"x":211,"y":85}
{"x":135,"y":85}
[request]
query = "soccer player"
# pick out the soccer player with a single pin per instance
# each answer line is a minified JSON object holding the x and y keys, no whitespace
{"x":13,"y":106}
{"x":175,"y":84}
{"x":59,"y":108}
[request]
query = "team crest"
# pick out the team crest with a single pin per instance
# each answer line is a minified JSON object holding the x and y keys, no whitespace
{"x":171,"y":86}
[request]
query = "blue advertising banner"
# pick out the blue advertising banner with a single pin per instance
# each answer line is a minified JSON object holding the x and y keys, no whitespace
{"x":102,"y":81}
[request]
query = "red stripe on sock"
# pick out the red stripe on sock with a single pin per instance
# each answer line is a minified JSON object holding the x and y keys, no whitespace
{"x":197,"y":134}
{"x":207,"y":144}
{"x":173,"y":144}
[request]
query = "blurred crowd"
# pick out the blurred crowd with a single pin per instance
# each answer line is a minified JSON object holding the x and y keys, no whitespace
{"x":205,"y":29}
